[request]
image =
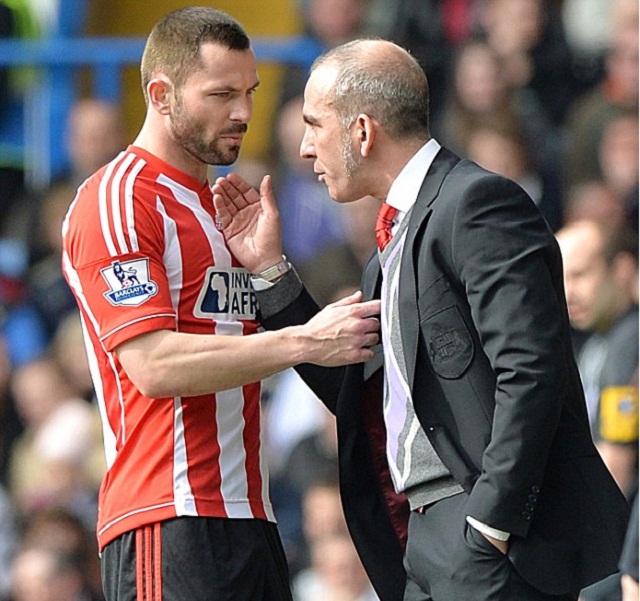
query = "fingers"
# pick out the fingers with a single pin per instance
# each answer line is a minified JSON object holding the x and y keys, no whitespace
{"x":368,"y":309}
{"x":364,"y":355}
{"x":371,"y":340}
{"x":352,"y":298}
{"x":225,"y":209}
{"x":347,"y":330}
{"x":360,"y":309}
{"x":235,"y":191}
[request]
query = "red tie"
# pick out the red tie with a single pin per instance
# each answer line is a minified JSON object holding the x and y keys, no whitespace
{"x":384,"y":222}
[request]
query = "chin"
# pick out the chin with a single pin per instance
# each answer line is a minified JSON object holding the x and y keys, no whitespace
{"x":341,"y":196}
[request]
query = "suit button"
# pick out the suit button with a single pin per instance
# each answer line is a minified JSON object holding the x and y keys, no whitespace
{"x":535,"y":489}
{"x":529,"y":507}
{"x":532,"y":499}
{"x":526,"y":515}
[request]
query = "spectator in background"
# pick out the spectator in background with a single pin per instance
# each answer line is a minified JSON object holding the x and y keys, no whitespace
{"x":311,"y":460}
{"x":528,"y":36}
{"x":47,"y":574}
{"x":593,"y":200}
{"x":617,"y":92}
{"x":53,"y":462}
{"x":587,"y":25}
{"x":59,"y":529}
{"x":505,"y":151}
{"x":329,"y":23}
{"x":335,"y":571}
{"x":618,"y":160}
{"x":20,"y":327}
{"x":22,"y":339}
{"x":432,"y":31}
{"x":315,"y":457}
{"x":480,"y":95}
{"x":68,"y":351}
{"x":95,"y":135}
{"x":49,"y":293}
{"x":600,"y":272}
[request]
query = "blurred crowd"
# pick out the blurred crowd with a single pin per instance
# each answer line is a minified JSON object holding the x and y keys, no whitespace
{"x":544,"y":92}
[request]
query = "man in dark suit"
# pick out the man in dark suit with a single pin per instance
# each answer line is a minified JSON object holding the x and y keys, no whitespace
{"x":466,"y":464}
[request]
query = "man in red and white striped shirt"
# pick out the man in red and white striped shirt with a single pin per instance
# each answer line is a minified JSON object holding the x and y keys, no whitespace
{"x":170,"y":326}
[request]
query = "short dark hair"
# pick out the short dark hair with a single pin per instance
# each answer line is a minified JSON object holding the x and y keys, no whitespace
{"x":389,"y":86}
{"x":617,"y":241}
{"x":173,"y":46}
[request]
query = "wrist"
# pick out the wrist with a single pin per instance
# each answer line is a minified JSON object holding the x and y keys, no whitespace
{"x":274,"y":270}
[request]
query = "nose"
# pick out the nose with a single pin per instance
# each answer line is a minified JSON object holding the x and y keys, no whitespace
{"x":242,"y":110}
{"x":307,"y":149}
{"x":569,"y":289}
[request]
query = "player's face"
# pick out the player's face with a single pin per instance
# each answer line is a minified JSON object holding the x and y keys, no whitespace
{"x":335,"y":158}
{"x":212,"y":108}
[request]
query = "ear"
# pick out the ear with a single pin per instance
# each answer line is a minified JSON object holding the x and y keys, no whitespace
{"x":625,"y":269}
{"x":160,"y":91}
{"x":365,"y":131}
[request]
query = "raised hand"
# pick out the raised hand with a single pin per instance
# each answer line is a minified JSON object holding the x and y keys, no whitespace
{"x":249,"y":220}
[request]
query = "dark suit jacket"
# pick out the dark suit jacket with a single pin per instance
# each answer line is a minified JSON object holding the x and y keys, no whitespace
{"x":495,"y":386}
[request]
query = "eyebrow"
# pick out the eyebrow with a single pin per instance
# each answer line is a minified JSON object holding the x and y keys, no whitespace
{"x":310,"y":120}
{"x":231,"y":88}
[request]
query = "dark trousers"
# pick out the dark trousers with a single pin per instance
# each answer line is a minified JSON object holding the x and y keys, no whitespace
{"x":197,"y":559}
{"x":449,"y":560}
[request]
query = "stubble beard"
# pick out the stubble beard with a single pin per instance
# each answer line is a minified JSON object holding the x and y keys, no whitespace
{"x":190,"y":135}
{"x":351,"y":159}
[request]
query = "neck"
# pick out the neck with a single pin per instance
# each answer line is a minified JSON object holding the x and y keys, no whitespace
{"x":155,"y":139}
{"x":392,"y":161}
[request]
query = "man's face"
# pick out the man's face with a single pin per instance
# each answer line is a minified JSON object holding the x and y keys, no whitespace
{"x":589,"y":285}
{"x":336,"y":160}
{"x":212,"y":108}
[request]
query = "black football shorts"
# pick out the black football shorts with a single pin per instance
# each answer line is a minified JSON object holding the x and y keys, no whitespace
{"x":197,"y":559}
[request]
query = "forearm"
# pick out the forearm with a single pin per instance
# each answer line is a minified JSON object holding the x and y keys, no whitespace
{"x":166,"y":364}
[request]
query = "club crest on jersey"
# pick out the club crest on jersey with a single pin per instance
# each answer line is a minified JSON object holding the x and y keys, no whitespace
{"x":129,"y":283}
{"x":226,"y":294}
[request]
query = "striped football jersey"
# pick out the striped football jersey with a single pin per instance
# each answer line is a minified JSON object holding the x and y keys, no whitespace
{"x":142,"y":253}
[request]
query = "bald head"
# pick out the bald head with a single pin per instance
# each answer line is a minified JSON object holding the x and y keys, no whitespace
{"x":371,"y":51}
{"x":382,"y":80}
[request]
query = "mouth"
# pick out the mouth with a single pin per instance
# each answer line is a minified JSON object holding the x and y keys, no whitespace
{"x":234,"y":134}
{"x":575,"y":313}
{"x":235,"y":139}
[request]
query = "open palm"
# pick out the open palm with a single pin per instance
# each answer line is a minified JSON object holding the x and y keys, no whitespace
{"x":249,"y":220}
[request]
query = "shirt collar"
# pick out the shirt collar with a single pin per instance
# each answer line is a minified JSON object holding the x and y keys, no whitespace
{"x":404,"y":190}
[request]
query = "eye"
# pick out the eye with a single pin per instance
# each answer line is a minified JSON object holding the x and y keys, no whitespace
{"x":220,"y":94}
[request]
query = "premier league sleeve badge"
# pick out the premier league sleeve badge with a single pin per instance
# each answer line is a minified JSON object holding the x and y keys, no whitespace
{"x":129,"y":283}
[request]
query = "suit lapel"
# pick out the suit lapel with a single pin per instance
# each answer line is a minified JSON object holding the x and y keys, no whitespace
{"x":418,"y":218}
{"x":371,"y":282}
